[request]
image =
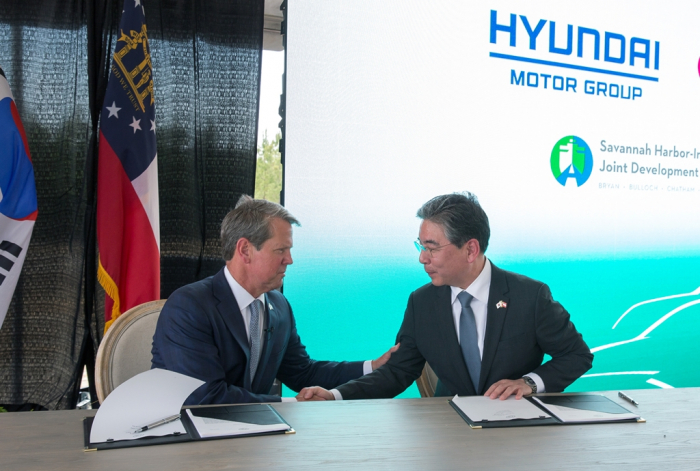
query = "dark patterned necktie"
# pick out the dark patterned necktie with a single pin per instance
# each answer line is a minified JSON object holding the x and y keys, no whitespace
{"x":254,"y":336}
{"x":468,"y":338}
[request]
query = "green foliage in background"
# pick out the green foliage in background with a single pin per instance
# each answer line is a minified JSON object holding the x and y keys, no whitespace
{"x":268,"y":174}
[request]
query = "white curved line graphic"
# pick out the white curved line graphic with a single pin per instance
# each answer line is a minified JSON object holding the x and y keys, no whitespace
{"x":620,"y":373}
{"x":615,"y":344}
{"x":692,"y":293}
{"x":658,"y":383}
{"x":667,"y":316}
{"x":649,"y":329}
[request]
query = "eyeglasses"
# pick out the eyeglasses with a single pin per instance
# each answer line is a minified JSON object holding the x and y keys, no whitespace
{"x":430,"y":250}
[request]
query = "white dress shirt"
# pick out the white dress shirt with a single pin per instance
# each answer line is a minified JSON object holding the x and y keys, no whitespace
{"x":479,"y":289}
{"x":244,"y":300}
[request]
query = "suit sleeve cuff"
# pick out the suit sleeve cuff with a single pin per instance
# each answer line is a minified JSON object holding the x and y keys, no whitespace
{"x":336,"y":394}
{"x":538,"y":381}
{"x":367,"y":367}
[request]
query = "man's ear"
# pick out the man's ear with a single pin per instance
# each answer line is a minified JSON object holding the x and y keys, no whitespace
{"x":473,"y":249}
{"x":243,"y":249}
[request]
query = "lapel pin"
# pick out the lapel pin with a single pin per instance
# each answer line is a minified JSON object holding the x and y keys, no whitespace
{"x":269,"y":306}
{"x":501,"y":304}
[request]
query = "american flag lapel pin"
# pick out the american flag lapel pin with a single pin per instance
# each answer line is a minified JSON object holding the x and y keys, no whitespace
{"x":501,"y":304}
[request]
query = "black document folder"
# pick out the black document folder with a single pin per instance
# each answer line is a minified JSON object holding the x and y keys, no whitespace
{"x":563,"y":409}
{"x":259,"y":414}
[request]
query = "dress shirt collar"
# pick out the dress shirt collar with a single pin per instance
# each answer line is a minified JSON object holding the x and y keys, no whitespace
{"x":479,"y":288}
{"x":243,"y":297}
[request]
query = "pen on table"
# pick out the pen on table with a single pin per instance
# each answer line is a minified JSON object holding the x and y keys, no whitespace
{"x":627,"y":398}
{"x":164,"y":421}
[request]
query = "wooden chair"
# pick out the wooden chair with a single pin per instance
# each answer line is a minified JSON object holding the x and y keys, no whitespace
{"x":427,"y":381}
{"x":125,"y":350}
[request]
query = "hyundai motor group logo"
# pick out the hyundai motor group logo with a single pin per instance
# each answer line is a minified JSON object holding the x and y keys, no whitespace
{"x":571,"y":158}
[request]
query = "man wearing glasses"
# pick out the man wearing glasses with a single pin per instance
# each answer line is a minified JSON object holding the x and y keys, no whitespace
{"x":483,"y":330}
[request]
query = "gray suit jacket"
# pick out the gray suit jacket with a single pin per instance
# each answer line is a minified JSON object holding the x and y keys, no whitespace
{"x":516,"y":339}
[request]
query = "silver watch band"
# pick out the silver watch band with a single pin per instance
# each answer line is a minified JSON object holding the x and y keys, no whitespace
{"x":530,"y":382}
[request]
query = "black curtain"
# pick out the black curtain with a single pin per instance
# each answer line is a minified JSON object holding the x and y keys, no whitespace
{"x":206,"y":59}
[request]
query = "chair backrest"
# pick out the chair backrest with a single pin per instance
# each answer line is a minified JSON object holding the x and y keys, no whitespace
{"x":427,"y":382}
{"x":125,"y":350}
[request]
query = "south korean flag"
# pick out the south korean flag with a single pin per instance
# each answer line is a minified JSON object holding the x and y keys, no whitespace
{"x":18,"y":203}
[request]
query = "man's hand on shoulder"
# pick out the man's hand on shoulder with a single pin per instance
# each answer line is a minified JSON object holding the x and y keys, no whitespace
{"x":315,"y":393}
{"x":505,"y":388}
{"x":384,"y":358}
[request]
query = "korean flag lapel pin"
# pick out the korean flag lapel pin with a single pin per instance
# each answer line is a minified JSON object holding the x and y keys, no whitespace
{"x":501,"y":304}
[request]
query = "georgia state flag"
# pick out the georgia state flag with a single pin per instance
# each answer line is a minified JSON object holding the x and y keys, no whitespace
{"x":18,"y":206}
{"x":128,"y":227}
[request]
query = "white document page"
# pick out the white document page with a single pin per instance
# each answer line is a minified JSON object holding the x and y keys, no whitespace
{"x":209,"y":427}
{"x":571,"y":414}
{"x":142,"y":400}
{"x":480,"y":408}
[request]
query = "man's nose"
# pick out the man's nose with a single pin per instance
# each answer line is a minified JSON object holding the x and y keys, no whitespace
{"x":423,"y":257}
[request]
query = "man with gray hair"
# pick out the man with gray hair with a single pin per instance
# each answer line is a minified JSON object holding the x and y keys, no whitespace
{"x":234,"y":330}
{"x":483,"y":330}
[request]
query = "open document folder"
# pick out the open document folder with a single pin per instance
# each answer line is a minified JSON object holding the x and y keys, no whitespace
{"x":585,"y":408}
{"x":555,"y":409}
{"x":235,"y":420}
{"x":145,"y":399}
{"x":146,"y":410}
{"x":485,"y":409}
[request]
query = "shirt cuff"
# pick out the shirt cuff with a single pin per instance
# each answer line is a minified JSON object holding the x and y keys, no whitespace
{"x":336,"y":394}
{"x":367,"y":367}
{"x":289,"y":399}
{"x":538,"y":381}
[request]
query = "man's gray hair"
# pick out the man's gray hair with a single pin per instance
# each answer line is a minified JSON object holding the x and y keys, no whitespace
{"x":250,"y":219}
{"x":461,"y":217}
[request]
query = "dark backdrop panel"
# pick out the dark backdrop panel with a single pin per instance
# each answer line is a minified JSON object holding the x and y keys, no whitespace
{"x":44,"y":57}
{"x":206,"y":59}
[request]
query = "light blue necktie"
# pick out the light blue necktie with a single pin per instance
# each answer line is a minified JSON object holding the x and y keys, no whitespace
{"x":254,"y":336}
{"x":468,"y":338}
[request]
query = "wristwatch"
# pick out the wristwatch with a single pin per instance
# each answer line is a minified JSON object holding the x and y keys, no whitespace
{"x":530,"y":382}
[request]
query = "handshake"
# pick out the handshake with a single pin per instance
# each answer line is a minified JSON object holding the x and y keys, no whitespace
{"x":317,"y":393}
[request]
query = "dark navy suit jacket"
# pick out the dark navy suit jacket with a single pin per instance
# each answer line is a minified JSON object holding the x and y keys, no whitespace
{"x":516,"y":339}
{"x":201,"y":333}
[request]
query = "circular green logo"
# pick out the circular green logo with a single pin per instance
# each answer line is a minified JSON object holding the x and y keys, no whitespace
{"x":571,"y":158}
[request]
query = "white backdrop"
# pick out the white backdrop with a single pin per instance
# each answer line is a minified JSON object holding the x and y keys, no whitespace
{"x":391,"y":103}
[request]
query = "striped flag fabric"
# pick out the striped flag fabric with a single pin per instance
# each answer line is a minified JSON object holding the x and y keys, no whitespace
{"x":18,"y":204}
{"x":128,"y":233}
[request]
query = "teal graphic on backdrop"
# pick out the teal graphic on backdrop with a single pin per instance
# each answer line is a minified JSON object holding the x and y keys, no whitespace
{"x":639,"y":315}
{"x":571,"y":158}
